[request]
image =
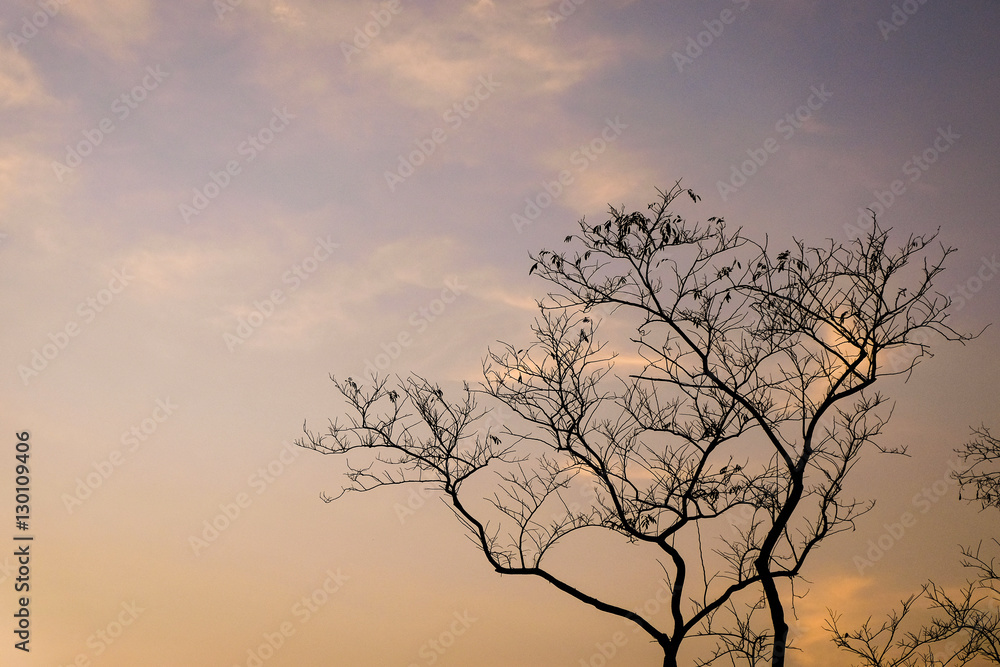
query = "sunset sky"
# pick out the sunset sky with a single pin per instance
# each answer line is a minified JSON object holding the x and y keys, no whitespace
{"x":208,"y":207}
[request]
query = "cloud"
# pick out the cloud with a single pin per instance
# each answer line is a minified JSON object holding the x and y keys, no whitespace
{"x":25,"y":166}
{"x":428,"y":62}
{"x":20,"y":86}
{"x":114,"y":27}
{"x":219,"y":281}
{"x":427,"y":56}
{"x":282,"y":12}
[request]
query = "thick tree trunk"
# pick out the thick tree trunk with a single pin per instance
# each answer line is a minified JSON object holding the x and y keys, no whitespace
{"x":777,"y":622}
{"x":780,"y":646}
{"x":669,"y":655}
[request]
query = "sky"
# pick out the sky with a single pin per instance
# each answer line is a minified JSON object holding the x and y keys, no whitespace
{"x":206,"y":208}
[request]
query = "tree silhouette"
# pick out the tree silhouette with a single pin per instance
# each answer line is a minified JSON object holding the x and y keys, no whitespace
{"x":981,"y":474}
{"x":965,"y":625}
{"x":724,"y":448}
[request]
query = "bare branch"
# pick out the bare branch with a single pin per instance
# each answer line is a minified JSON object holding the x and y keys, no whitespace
{"x":726,"y":451}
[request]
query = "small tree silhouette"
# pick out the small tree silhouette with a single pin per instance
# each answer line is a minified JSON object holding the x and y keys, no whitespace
{"x":981,"y":474}
{"x":965,"y":625}
{"x":725,"y":451}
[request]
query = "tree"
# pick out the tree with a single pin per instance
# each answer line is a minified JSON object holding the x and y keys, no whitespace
{"x":965,"y":626}
{"x":981,"y":474}
{"x":724,"y":451}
